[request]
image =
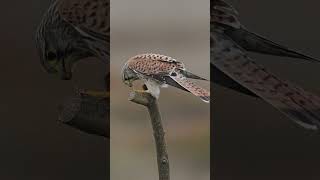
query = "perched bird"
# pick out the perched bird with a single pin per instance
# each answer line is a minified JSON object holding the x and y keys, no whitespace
{"x":233,"y":68}
{"x":72,"y":30}
{"x":158,"y":71}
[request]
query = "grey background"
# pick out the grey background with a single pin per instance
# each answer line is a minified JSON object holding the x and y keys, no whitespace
{"x":32,"y":144}
{"x":252,"y":140}
{"x":180,"y":29}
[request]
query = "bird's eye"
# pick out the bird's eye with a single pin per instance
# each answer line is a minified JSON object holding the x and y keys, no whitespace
{"x":51,"y":56}
{"x":173,"y":74}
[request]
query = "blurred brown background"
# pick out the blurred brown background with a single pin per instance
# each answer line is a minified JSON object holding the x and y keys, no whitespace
{"x":252,"y":140}
{"x":33,"y":144}
{"x":179,"y":29}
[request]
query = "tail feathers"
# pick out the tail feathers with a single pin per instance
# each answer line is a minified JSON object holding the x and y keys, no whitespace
{"x":192,"y":76}
{"x":191,"y":87}
{"x":255,"y":43}
{"x":220,"y":78}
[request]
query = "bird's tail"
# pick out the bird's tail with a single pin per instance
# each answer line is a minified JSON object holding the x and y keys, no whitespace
{"x":191,"y":87}
{"x":256,"y":43}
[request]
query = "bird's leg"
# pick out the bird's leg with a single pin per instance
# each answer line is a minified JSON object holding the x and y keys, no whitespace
{"x":152,"y":89}
{"x":97,"y":93}
{"x":144,"y":89}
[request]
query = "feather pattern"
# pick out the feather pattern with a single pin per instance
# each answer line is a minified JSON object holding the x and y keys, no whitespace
{"x":191,"y":87}
{"x":89,"y":17}
{"x":92,"y":20}
{"x":229,"y":44}
{"x":159,"y":70}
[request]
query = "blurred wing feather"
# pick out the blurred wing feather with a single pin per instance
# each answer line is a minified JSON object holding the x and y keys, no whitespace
{"x":301,"y":106}
{"x":91,"y":18}
{"x":224,"y":14}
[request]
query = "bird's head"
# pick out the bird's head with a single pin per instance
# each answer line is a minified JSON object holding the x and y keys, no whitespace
{"x":59,"y":47}
{"x":128,"y":75}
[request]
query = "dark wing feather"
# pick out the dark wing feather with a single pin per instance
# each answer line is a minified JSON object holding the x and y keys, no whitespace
{"x":191,"y":75}
{"x":256,"y":43}
{"x":225,"y":17}
{"x":298,"y":104}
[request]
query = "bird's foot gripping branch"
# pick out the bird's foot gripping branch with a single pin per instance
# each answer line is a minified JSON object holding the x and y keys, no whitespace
{"x":95,"y":93}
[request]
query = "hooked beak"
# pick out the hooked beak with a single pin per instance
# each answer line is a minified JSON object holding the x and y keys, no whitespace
{"x":65,"y":71}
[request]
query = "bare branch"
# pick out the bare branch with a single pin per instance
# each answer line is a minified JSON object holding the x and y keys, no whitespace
{"x":89,"y":114}
{"x":151,"y":103}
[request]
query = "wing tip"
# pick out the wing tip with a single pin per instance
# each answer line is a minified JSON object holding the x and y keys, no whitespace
{"x":303,"y":120}
{"x":312,"y":127}
{"x":205,"y":99}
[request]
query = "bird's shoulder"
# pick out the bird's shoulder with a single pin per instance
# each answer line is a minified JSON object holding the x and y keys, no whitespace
{"x":87,"y":16}
{"x":157,"y":57}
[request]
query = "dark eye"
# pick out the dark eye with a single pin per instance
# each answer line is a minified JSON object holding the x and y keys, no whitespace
{"x":173,"y":74}
{"x":51,"y":56}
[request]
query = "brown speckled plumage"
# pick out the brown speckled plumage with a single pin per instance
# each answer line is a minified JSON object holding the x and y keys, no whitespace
{"x":159,"y":70}
{"x":154,"y":64}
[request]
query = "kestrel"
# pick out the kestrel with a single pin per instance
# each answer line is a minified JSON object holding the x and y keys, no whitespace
{"x":158,"y":71}
{"x":72,"y":30}
{"x":233,"y":68}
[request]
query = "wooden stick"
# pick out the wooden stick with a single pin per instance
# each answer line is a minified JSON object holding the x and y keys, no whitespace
{"x":151,"y":103}
{"x":87,"y":113}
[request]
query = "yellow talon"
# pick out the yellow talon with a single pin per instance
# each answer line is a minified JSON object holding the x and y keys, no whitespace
{"x":139,"y":91}
{"x":99,"y":94}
